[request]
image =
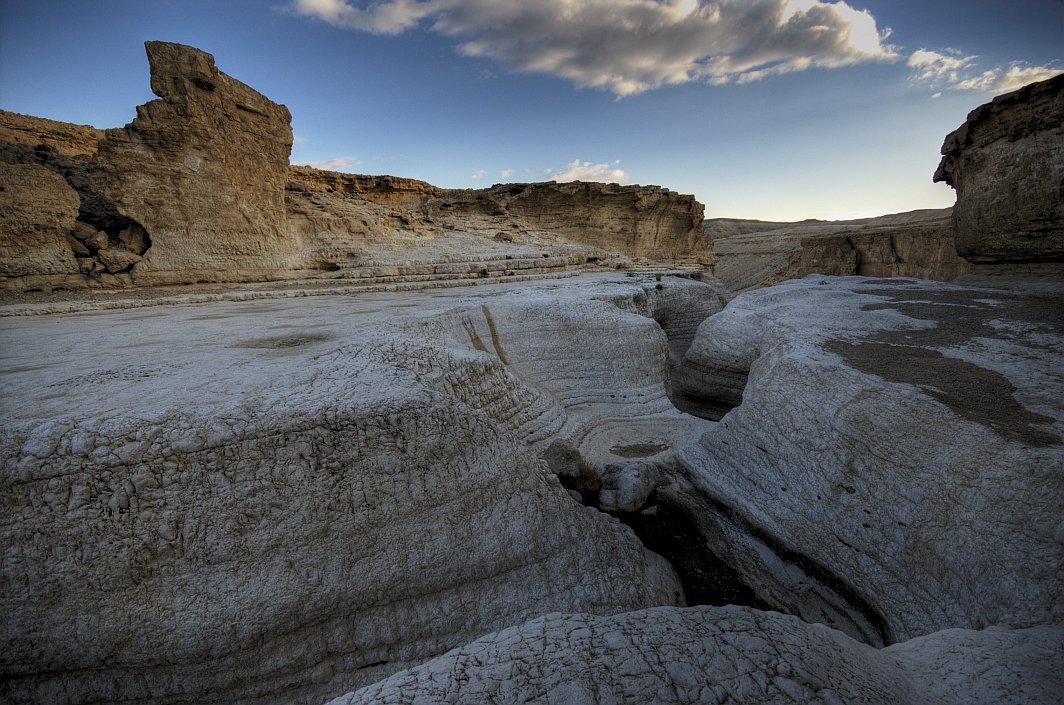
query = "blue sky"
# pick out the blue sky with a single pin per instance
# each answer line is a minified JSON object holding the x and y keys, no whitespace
{"x":774,"y":109}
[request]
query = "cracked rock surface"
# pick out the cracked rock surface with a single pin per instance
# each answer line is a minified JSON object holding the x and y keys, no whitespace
{"x":278,"y":501}
{"x":725,"y":655}
{"x":894,"y":467}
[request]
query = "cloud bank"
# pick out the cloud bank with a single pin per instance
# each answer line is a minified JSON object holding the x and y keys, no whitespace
{"x":631,"y":46}
{"x":577,"y":170}
{"x":951,"y":70}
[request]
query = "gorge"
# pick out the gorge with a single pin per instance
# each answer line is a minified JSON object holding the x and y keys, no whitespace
{"x":274,"y":434}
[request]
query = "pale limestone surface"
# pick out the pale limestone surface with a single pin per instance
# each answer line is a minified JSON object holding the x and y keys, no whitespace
{"x":727,"y":654}
{"x":895,"y":464}
{"x":264,"y":501}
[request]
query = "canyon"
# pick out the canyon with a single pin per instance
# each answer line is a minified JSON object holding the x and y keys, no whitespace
{"x":273,"y":434}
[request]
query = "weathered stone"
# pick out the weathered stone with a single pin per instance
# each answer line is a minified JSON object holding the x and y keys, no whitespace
{"x":68,"y":139}
{"x":37,"y":211}
{"x":727,"y":654}
{"x":83,"y":231}
{"x":134,"y":239}
{"x":78,"y":247}
{"x":886,"y":433}
{"x":203,"y":171}
{"x":115,"y":260}
{"x":99,"y":241}
{"x":86,"y":265}
{"x":751,"y":254}
{"x":246,"y":513}
{"x":1005,"y":163}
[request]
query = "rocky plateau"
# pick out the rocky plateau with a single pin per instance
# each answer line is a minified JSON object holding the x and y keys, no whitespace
{"x":264,"y":441}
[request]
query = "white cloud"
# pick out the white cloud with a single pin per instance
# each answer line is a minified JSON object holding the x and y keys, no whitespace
{"x":506,"y":173}
{"x":298,"y":140}
{"x":577,"y":170}
{"x":1002,"y":81}
{"x":337,"y":164}
{"x":953,"y":71}
{"x":630,"y":46}
{"x":480,"y":174}
{"x":932,"y":66}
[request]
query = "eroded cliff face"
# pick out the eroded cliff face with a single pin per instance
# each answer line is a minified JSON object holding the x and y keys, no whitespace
{"x":918,"y":244}
{"x":1006,"y":164}
{"x":203,"y":170}
{"x":198,"y":188}
{"x":37,"y":212}
{"x":66,"y":138}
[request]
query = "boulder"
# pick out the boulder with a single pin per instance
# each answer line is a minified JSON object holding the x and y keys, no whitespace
{"x":1005,"y":163}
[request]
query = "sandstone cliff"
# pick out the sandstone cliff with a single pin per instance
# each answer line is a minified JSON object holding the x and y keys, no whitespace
{"x":197,"y":188}
{"x":1005,"y":163}
{"x":70,"y":140}
{"x":203,"y":170}
{"x":751,"y":254}
{"x":37,"y":212}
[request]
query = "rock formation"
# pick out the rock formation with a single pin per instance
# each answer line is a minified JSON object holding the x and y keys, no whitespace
{"x":37,"y":212}
{"x":198,"y":189}
{"x":1005,"y":163}
{"x":730,"y":654}
{"x":751,"y":254}
{"x":202,"y":170}
{"x":285,"y":505}
{"x":847,"y":391}
{"x":67,"y":139}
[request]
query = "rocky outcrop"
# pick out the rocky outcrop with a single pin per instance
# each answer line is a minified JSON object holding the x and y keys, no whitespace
{"x":1005,"y":163}
{"x":891,"y":459}
{"x":640,"y":221}
{"x":67,"y":139}
{"x":288,"y":500}
{"x":37,"y":212}
{"x":407,"y":194}
{"x":202,"y":170}
{"x":730,"y":654}
{"x":750,"y":254}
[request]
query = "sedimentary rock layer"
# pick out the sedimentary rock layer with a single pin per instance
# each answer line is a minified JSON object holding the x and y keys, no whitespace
{"x":893,"y":462}
{"x":66,"y":138}
{"x":281,"y":501}
{"x":1005,"y":163}
{"x":729,"y":654}
{"x":750,"y":254}
{"x":37,"y":212}
{"x":203,"y":170}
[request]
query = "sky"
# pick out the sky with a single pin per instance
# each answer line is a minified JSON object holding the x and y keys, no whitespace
{"x":769,"y":109}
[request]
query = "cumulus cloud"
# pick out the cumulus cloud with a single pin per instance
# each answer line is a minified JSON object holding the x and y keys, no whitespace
{"x":478,"y":175}
{"x":953,"y":71}
{"x":334,"y":164}
{"x":506,"y":173}
{"x":631,"y":46}
{"x":577,"y":170}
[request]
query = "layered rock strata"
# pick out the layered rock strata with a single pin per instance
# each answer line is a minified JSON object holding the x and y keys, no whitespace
{"x":67,"y":139}
{"x":730,"y":654}
{"x":750,"y":254}
{"x":884,"y":436}
{"x":282,"y":501}
{"x":37,"y":212}
{"x":1005,"y":163}
{"x":203,"y":171}
{"x":198,"y":189}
